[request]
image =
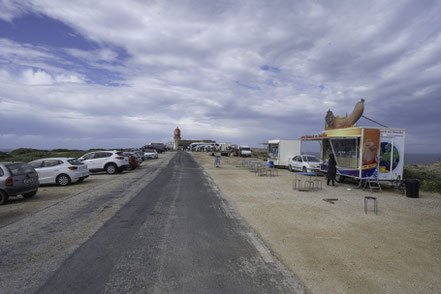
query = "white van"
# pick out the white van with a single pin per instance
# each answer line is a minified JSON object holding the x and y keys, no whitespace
{"x":245,"y":151}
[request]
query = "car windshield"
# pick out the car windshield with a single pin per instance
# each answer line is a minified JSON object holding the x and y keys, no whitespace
{"x":75,"y":161}
{"x":20,"y":168}
{"x":150,"y":150}
{"x":245,"y":148}
{"x":311,"y":159}
{"x":120,"y":153}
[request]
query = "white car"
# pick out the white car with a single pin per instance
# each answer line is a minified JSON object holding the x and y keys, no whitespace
{"x":304,"y":163}
{"x":109,"y":161}
{"x":60,"y":170}
{"x":150,"y":153}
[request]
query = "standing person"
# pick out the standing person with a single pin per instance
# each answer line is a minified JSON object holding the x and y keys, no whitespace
{"x":217,"y":156}
{"x":332,"y":169}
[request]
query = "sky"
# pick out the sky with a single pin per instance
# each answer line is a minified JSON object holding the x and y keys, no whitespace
{"x":104,"y":74}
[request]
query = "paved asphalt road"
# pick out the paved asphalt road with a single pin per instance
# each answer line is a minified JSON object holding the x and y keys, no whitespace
{"x":178,"y":235}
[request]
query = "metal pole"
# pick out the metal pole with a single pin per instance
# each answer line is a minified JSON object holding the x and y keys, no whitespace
{"x":374,"y":121}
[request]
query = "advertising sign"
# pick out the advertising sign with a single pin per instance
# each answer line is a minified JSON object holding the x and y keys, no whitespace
{"x":391,"y":154}
{"x":371,"y":143}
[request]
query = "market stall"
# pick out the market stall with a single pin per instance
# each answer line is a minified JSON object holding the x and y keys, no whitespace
{"x":359,"y":151}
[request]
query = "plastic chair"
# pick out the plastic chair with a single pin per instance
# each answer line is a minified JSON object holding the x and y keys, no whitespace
{"x":272,"y":169}
{"x":297,"y":182}
{"x":317,"y":184}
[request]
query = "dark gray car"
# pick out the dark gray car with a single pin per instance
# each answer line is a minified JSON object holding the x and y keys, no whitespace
{"x":17,"y":178}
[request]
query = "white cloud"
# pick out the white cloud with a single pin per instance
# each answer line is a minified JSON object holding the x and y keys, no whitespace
{"x":38,"y":77}
{"x":62,"y":78}
{"x":199,"y":65}
{"x":93,"y":56}
{"x":10,"y":9}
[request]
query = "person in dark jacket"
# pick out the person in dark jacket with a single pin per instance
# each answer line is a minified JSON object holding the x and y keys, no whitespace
{"x":332,"y":169}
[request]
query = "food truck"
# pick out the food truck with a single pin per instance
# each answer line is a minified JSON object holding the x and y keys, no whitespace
{"x":359,"y":151}
{"x":279,"y":150}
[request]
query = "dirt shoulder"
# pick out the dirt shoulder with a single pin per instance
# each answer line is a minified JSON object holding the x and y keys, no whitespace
{"x":337,"y":248}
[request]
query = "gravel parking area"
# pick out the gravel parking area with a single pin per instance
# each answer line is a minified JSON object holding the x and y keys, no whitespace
{"x":48,"y":195}
{"x":337,"y":248}
{"x":38,"y":234}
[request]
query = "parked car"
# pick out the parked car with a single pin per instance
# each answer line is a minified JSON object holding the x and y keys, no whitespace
{"x":17,"y":178}
{"x":150,"y":153}
{"x":109,"y":161}
{"x":60,"y":170}
{"x":245,"y":151}
{"x":133,"y":161}
{"x":305,"y":163}
{"x":138,"y":152}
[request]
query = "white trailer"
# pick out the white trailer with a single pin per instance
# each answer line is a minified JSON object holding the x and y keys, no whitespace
{"x":224,"y":149}
{"x":279,"y":151}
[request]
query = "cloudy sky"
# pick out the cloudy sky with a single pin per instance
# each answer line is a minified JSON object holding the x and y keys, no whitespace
{"x":83,"y":74}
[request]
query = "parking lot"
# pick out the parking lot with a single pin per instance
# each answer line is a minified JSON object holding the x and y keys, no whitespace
{"x":37,"y":234}
{"x":48,"y":195}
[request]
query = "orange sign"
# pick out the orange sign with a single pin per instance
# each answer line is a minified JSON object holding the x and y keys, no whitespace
{"x":371,"y":150}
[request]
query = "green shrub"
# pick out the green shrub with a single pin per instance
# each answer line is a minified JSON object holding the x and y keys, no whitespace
{"x":29,"y":154}
{"x":4,"y":156}
{"x":21,"y":151}
{"x":430,"y":181}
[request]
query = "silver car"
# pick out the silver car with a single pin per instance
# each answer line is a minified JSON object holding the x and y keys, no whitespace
{"x":150,"y":153}
{"x":60,"y":170}
{"x":17,"y":178}
{"x":304,"y":163}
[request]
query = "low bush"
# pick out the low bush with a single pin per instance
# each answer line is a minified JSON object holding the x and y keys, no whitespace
{"x":430,"y":181}
{"x":29,"y":154}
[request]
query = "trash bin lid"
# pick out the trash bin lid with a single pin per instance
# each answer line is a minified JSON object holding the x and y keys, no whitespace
{"x":412,"y":181}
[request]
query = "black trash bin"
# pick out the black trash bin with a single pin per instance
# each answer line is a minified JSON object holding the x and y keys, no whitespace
{"x":412,"y":188}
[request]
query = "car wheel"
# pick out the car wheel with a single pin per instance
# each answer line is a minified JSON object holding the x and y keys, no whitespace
{"x":111,"y":169}
{"x":304,"y":169}
{"x":290,"y":168}
{"x":3,"y":198}
{"x":30,"y":194}
{"x":63,"y":180}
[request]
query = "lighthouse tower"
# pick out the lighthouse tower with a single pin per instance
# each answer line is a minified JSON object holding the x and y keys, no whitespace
{"x":177,"y":137}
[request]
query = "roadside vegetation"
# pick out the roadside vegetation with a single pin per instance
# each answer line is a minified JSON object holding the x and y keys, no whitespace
{"x":260,"y":153}
{"x":429,"y":175}
{"x":28,"y":154}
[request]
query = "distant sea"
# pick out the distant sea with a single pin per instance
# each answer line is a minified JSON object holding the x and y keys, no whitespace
{"x":421,"y":158}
